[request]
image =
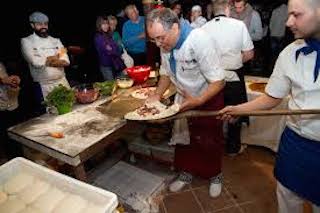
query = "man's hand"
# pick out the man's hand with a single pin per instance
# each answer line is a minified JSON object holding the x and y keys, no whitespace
{"x":225,"y":114}
{"x":54,"y":61}
{"x":189,"y":102}
{"x":12,"y":81}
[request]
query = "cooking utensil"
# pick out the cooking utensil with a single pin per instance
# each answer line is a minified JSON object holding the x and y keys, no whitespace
{"x":200,"y":113}
{"x":51,"y":134}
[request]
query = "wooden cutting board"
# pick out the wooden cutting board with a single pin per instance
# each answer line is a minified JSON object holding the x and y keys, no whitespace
{"x":124,"y":102}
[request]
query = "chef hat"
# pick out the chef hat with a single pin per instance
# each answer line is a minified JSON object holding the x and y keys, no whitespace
{"x":196,"y":8}
{"x":38,"y":17}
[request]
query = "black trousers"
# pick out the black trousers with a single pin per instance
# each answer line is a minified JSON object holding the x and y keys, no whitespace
{"x":8,"y":148}
{"x":235,"y":93}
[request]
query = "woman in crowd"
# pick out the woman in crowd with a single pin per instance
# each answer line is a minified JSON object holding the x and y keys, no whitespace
{"x":109,"y":53}
{"x":113,"y":22}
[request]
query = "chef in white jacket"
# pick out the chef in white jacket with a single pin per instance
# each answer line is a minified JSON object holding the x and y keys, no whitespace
{"x":45,"y":55}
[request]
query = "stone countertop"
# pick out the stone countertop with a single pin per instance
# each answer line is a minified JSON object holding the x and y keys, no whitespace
{"x":82,"y":128}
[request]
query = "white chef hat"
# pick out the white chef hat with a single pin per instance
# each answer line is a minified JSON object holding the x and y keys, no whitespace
{"x":196,"y":8}
{"x":38,"y":17}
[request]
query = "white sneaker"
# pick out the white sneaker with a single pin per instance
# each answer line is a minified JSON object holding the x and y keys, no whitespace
{"x":177,"y":185}
{"x":215,"y":189}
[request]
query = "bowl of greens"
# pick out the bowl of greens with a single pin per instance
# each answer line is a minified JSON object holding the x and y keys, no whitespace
{"x":105,"y":88}
{"x":62,"y":98}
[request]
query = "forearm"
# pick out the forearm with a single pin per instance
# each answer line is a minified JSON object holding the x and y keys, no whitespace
{"x":213,"y":89}
{"x":263,"y":102}
{"x":247,"y":56}
{"x":163,"y":85}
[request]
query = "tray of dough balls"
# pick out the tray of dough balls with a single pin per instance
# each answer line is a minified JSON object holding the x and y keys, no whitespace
{"x":26,"y":187}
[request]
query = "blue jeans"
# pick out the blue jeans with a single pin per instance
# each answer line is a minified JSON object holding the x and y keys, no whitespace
{"x":107,"y":73}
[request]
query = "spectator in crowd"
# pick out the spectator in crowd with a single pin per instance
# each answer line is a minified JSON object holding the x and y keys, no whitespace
{"x":236,"y":48}
{"x":113,"y":28}
{"x":296,"y":74}
{"x":134,"y":36}
{"x":46,"y":57}
{"x":196,"y":19}
{"x":277,"y":27}
{"x":177,"y":8}
{"x":243,"y":11}
{"x":109,"y":53}
{"x":190,"y":61}
{"x":9,"y":90}
{"x":209,"y":12}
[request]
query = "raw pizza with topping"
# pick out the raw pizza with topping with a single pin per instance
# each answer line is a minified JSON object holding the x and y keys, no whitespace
{"x":152,"y":111}
{"x":143,"y":93}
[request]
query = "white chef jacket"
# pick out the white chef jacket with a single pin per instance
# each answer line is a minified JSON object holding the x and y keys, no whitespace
{"x":295,"y":78}
{"x":35,"y":50}
{"x":197,"y":65}
{"x":232,"y":37}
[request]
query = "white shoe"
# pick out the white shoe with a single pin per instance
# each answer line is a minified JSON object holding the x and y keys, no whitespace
{"x":215,"y":189}
{"x":177,"y":185}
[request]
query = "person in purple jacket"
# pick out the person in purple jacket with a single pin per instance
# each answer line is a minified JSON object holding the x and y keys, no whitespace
{"x":109,"y":54}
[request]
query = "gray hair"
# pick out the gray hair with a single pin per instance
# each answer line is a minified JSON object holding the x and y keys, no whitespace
{"x":219,"y":6}
{"x":165,"y":16}
{"x":130,"y":7}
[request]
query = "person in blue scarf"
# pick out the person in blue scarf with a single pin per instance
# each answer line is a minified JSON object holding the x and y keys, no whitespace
{"x":296,"y":74}
{"x":189,"y":59}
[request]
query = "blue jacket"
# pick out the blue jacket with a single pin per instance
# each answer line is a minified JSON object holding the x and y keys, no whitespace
{"x":130,"y":33}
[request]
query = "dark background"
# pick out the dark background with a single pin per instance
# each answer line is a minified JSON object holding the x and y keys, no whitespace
{"x":74,"y":23}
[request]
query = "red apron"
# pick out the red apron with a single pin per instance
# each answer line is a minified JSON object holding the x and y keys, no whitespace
{"x":203,"y":157}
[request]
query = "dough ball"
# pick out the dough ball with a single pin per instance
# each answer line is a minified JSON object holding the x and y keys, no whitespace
{"x":32,"y":192}
{"x":92,"y":207}
{"x":30,"y":210}
{"x":3,"y":197}
{"x":12,"y":206}
{"x":49,"y":200}
{"x":17,"y":183}
{"x":71,"y":203}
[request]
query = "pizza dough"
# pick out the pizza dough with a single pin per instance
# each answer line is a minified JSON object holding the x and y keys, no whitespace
{"x":32,"y":192}
{"x":17,"y":183}
{"x":91,"y":207}
{"x":71,"y":203}
{"x":143,"y":93}
{"x":30,"y":210}
{"x":12,"y":206}
{"x":152,"y":111}
{"x":3,"y":197}
{"x":49,"y":200}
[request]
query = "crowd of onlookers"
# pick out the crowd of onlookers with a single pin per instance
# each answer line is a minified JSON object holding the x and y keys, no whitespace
{"x":120,"y":40}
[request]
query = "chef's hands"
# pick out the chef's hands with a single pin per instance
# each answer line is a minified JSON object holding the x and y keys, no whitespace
{"x":153,"y":97}
{"x":225,"y":114}
{"x":189,"y":101}
{"x":12,"y":80}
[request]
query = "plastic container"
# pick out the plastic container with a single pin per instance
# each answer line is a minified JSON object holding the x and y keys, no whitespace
{"x":91,"y":193}
{"x":124,"y":82}
{"x":139,"y":73}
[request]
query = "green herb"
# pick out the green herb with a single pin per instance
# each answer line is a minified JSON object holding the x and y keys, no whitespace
{"x":105,"y":87}
{"x":60,"y":96}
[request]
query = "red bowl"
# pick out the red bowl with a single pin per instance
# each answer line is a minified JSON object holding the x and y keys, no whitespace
{"x":139,"y":73}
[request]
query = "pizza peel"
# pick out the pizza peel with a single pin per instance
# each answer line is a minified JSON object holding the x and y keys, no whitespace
{"x":202,"y":113}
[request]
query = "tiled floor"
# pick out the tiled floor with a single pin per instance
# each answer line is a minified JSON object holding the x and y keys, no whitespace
{"x":249,"y":187}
